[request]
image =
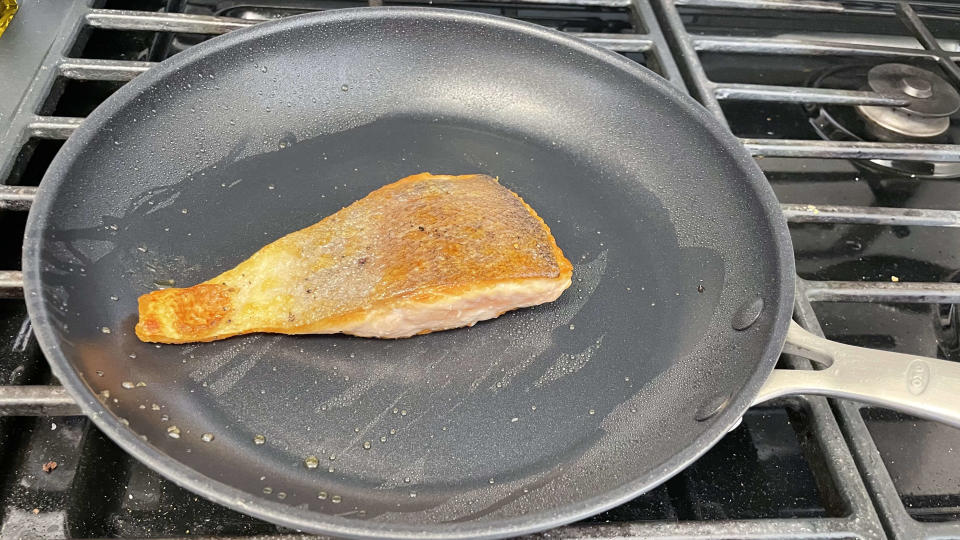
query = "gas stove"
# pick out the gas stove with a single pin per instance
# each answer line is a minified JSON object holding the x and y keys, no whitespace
{"x":823,"y":93}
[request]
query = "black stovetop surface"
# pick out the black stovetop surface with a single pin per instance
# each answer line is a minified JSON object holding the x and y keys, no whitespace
{"x":773,"y":467}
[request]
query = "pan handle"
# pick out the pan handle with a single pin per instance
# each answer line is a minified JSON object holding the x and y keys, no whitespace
{"x":916,"y":385}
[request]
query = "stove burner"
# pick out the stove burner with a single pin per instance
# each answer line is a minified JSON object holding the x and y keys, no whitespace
{"x":924,"y":118}
{"x":930,"y":102}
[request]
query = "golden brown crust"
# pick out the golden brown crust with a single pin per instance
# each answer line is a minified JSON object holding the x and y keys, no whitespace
{"x":421,"y":238}
{"x":193,"y":311}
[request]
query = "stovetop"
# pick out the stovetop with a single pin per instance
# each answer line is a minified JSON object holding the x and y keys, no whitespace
{"x":874,"y":227}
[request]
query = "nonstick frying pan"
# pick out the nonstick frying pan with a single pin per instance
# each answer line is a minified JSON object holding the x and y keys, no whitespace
{"x":681,"y":301}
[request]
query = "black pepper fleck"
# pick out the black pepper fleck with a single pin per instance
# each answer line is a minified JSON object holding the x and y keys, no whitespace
{"x":363,"y":260}
{"x":700,"y":288}
{"x":421,"y":228}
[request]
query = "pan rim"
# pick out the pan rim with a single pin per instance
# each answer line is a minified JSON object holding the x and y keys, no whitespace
{"x":313,"y":521}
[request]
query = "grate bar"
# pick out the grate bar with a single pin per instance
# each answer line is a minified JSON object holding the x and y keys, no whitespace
{"x":756,"y":45}
{"x":102,"y":70}
{"x":881,"y":291}
{"x":111,"y":19}
{"x":911,"y":20}
{"x":800,"y":94}
{"x":603,"y":3}
{"x":852,"y":149}
{"x":618,"y":42}
{"x":204,"y":24}
{"x":696,"y":78}
{"x":785,"y":5}
{"x":809,"y":213}
{"x":53,"y":127}
{"x":11,"y":284}
{"x":115,"y":19}
{"x":16,"y":197}
{"x":778,"y":529}
{"x":37,"y":401}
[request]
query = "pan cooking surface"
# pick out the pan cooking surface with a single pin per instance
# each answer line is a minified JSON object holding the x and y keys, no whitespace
{"x":539,"y":410}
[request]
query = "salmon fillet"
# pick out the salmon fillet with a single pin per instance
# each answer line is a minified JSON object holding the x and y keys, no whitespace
{"x":425,"y":253}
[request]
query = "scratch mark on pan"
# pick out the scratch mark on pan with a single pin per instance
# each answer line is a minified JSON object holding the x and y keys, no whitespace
{"x":434,"y":404}
{"x":486,"y":373}
{"x":567,"y":364}
{"x":163,"y":203}
{"x":213,"y":363}
{"x":234,"y":375}
{"x":389,"y":408}
{"x":348,"y":513}
{"x":376,"y":419}
{"x":351,"y":394}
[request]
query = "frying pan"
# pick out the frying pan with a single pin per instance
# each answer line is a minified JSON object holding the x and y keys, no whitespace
{"x":680,"y":305}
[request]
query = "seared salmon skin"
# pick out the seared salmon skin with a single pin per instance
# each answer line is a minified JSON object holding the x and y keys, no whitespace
{"x":425,"y":253}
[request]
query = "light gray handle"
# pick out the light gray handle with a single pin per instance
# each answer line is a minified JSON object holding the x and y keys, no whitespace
{"x":916,"y":385}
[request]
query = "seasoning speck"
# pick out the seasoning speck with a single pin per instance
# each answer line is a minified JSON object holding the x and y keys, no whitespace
{"x":127,"y":384}
{"x":206,"y":437}
{"x":173,"y":432}
{"x":894,"y":279}
{"x":366,"y":445}
{"x":49,"y":466}
{"x":259,"y":439}
{"x":312,"y":462}
{"x":105,"y":330}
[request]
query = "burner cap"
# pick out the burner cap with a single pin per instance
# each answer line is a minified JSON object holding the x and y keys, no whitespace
{"x":928,"y":94}
{"x":903,"y":123}
{"x":930,"y":102}
{"x":843,"y":123}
